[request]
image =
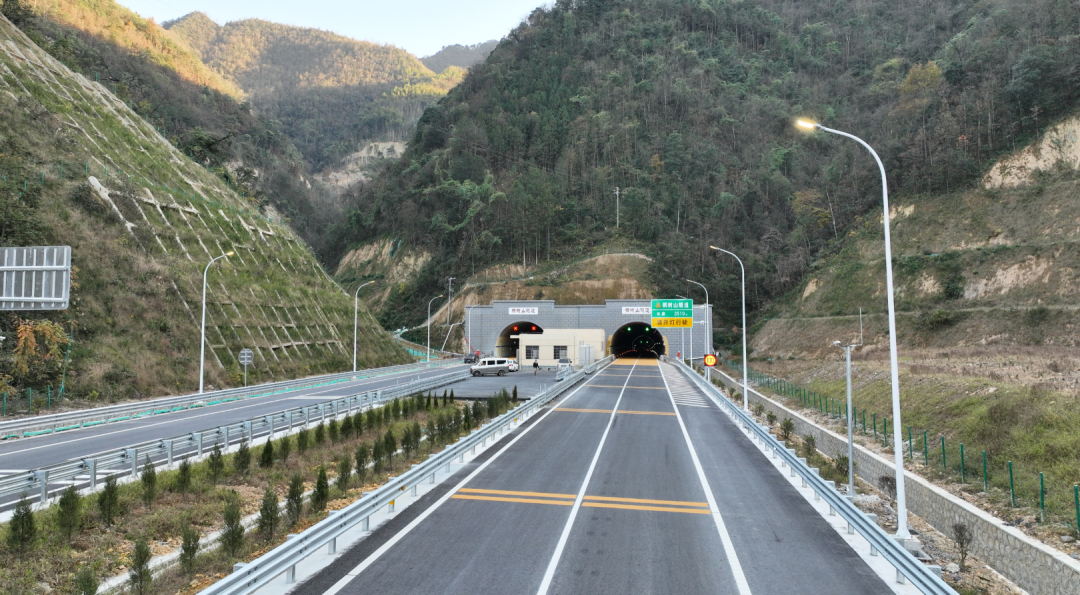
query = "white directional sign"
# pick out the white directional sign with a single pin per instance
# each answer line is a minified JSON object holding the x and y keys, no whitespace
{"x":35,"y":278}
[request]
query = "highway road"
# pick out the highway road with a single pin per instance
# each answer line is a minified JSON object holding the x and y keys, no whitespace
{"x":33,"y":453}
{"x":633,"y":483}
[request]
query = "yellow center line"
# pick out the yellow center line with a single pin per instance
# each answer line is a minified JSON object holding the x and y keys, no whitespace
{"x":511,"y":493}
{"x":670,"y":502}
{"x":652,"y":508}
{"x":521,"y":500}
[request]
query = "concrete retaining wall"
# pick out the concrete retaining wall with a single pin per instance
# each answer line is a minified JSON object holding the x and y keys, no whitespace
{"x":1031,"y":564}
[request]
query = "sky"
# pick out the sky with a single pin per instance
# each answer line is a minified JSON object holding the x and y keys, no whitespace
{"x":422,"y":27}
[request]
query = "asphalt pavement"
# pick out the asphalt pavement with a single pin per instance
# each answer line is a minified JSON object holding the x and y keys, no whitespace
{"x":633,"y":483}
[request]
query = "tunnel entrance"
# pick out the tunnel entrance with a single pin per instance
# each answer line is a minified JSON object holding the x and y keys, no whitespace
{"x":638,"y":339}
{"x":506,"y":345}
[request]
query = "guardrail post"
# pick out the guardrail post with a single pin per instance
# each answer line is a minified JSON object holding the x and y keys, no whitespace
{"x":900,"y":577}
{"x":134,"y":456}
{"x":390,"y":507}
{"x":91,"y":465}
{"x":334,"y":404}
{"x":247,"y":429}
{"x":168,"y":451}
{"x":43,"y":480}
{"x":198,"y":442}
{"x":290,"y":573}
{"x":270,"y":420}
{"x":224,"y":431}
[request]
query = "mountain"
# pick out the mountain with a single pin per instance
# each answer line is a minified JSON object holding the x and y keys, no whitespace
{"x":81,"y":167}
{"x":689,"y":108}
{"x":462,"y":56}
{"x":330,"y":93}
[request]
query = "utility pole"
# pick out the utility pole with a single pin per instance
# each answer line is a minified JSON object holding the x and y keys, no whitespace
{"x":616,"y":207}
{"x":449,"y":300}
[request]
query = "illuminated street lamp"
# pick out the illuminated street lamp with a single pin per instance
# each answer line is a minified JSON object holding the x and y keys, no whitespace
{"x":898,"y":440}
{"x":708,"y":328}
{"x":202,"y":343}
{"x":356,"y":310}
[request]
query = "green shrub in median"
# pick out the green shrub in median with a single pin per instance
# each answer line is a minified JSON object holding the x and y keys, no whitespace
{"x":320,"y":434}
{"x":363,"y":457}
{"x":141,"y":578}
{"x":232,"y":535}
{"x":183,"y":477}
{"x":332,"y":431}
{"x":266,"y":457}
{"x":294,"y":498}
{"x":21,"y":529}
{"x":269,"y":513}
{"x":69,"y":512}
{"x":215,"y":464}
{"x":321,"y":494}
{"x":344,"y":472}
{"x":242,"y":459}
{"x":284,"y":448}
{"x":148,"y":479}
{"x":108,"y":501}
{"x":303,"y":441}
{"x":86,"y":581}
{"x":189,"y":549}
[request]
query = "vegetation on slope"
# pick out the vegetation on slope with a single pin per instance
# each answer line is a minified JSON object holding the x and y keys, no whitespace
{"x":462,"y":56}
{"x":688,"y":108}
{"x":329,"y":92}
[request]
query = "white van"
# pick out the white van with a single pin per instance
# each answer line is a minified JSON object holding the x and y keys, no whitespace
{"x":491,"y":365}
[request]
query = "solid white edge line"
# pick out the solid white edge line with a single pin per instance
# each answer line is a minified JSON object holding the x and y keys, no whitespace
{"x":729,"y":547}
{"x":553,"y":564}
{"x":371,"y":559}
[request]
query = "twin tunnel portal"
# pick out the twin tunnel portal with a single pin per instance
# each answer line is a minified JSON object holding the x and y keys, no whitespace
{"x":634,"y":338}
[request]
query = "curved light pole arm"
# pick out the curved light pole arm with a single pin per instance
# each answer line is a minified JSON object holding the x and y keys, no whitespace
{"x":898,"y":440}
{"x":356,"y":311}
{"x":448,"y":336}
{"x":429,"y":327}
{"x":202,"y":343}
{"x":745,"y":355}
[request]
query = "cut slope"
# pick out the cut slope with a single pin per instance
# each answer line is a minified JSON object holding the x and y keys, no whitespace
{"x":143,"y":220}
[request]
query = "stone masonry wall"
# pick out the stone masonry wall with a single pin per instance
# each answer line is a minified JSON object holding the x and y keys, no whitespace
{"x":1032,"y":565}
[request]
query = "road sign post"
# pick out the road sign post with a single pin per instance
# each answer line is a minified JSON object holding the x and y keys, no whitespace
{"x":246,"y":357}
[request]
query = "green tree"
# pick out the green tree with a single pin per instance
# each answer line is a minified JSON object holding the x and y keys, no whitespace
{"x":269,"y":513}
{"x":321,"y":494}
{"x":302,"y":440}
{"x":294,"y":498}
{"x":266,"y":457}
{"x":347,"y":427}
{"x":363,"y":457}
{"x":378,"y":453}
{"x":389,"y":447}
{"x":140,"y":577}
{"x":232,"y":534}
{"x":108,"y":501}
{"x":86,"y":581}
{"x":148,"y":478}
{"x":333,"y":432}
{"x":21,"y":529}
{"x":242,"y":459}
{"x":320,"y":433}
{"x":215,"y":464}
{"x":284,"y":448}
{"x":189,"y":549}
{"x":69,"y":512}
{"x":344,"y":472}
{"x":183,"y":476}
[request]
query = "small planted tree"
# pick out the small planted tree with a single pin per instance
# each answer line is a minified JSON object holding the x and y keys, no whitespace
{"x":809,"y":446}
{"x":378,"y":452}
{"x":69,"y":511}
{"x":21,"y":529}
{"x":770,"y":418}
{"x":183,"y":477}
{"x":431,"y":436}
{"x":294,"y":499}
{"x":963,"y":536}
{"x":148,"y":479}
{"x":333,"y":431}
{"x":86,"y":581}
{"x":242,"y":459}
{"x":108,"y":501}
{"x":514,"y":397}
{"x":445,"y":399}
{"x":389,"y":447}
{"x":140,"y":577}
{"x":344,"y":472}
{"x":232,"y":535}
{"x":787,"y":428}
{"x":215,"y":464}
{"x":303,"y":438}
{"x":284,"y":448}
{"x":320,"y":433}
{"x":189,"y":549}
{"x":269,"y":513}
{"x":321,"y":494}
{"x":363,"y":457}
{"x":452,"y":400}
{"x":467,"y":419}
{"x":395,"y":408}
{"x":347,"y":428}
{"x":266,"y":457}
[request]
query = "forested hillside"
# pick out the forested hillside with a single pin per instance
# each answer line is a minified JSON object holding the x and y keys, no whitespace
{"x":198,"y":110}
{"x":689,"y":107}
{"x":462,"y":56}
{"x":330,"y":93}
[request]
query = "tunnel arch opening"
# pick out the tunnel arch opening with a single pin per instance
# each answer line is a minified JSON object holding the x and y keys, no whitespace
{"x":506,"y":345}
{"x":638,"y":339}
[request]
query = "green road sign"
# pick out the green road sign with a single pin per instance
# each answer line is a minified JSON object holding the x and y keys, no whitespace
{"x":672,"y":313}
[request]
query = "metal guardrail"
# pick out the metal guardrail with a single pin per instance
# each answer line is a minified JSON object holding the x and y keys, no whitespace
{"x":59,"y":422}
{"x":283,"y":559}
{"x":126,"y":460}
{"x":907,"y":567}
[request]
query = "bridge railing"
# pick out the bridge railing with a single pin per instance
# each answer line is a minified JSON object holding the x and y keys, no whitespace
{"x":283,"y":559}
{"x":126,"y":460}
{"x":907,"y":566}
{"x":59,"y":422}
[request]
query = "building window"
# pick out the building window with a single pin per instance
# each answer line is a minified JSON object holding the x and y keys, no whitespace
{"x":532,"y":352}
{"x":560,"y":351}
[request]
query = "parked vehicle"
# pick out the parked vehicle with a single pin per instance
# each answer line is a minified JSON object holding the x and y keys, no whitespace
{"x":514,"y":365}
{"x":491,"y":365}
{"x":470,"y":359}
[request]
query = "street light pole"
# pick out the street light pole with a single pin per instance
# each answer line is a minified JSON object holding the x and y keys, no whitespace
{"x":745,"y":355}
{"x":616,"y":207}
{"x":898,"y":439}
{"x":356,"y":313}
{"x":468,"y":325}
{"x":202,"y":343}
{"x":448,"y":335}
{"x":429,"y":327}
{"x":450,"y":298}
{"x":708,"y":330}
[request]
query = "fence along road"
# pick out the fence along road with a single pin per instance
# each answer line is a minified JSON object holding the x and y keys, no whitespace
{"x":632,"y":483}
{"x":22,"y":455}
